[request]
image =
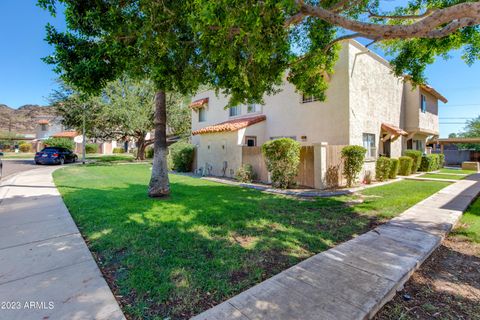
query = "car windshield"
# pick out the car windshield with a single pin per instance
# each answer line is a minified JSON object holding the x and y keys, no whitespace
{"x":50,"y":150}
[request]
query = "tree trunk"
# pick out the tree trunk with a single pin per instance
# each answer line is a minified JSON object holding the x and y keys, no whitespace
{"x":141,"y":147}
{"x":159,"y":184}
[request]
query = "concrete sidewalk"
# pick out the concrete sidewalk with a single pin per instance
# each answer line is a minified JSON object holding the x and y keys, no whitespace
{"x":355,"y":279}
{"x":46,"y":269}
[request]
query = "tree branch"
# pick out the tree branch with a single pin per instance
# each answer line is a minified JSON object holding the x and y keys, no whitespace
{"x":450,"y":19}
{"x":401,"y":17}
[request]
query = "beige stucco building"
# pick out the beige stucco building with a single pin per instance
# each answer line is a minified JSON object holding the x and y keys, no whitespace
{"x":366,"y":105}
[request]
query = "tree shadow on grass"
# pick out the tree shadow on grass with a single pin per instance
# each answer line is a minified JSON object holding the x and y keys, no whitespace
{"x":208,"y":242}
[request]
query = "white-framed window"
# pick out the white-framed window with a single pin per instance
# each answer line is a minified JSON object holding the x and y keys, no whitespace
{"x":251,"y":141}
{"x":43,"y":127}
{"x":253,"y":108}
{"x":369,"y":144}
{"x":235,"y":111}
{"x":306,"y":98}
{"x":418,"y":145}
{"x":202,"y":115}
{"x":423,"y":103}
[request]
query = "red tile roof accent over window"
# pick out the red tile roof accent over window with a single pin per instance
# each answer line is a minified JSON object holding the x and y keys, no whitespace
{"x":393,"y":129}
{"x":43,"y":121}
{"x":231,"y":125}
{"x":65,"y":134}
{"x":198,"y":103}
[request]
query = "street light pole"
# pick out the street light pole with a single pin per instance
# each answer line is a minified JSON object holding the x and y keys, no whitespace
{"x":83,"y":134}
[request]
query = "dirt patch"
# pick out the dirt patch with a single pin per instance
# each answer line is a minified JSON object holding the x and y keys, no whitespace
{"x":447,"y":286}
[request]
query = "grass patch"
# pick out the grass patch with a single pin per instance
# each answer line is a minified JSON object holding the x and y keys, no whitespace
{"x":469,"y":226}
{"x":459,"y":171}
{"x":442,"y":176}
{"x":207,"y":242}
{"x":20,"y":155}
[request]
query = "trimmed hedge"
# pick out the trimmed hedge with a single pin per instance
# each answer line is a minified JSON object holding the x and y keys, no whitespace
{"x":59,"y":143}
{"x":353,"y":159}
{"x":382,"y":169}
{"x":394,"y":166}
{"x":441,"y":160}
{"x":25,"y":147}
{"x":91,"y":148}
{"x":416,"y":155}
{"x":118,"y":150}
{"x":282,"y":157}
{"x":405,"y":165}
{"x":182,"y":156}
{"x":430,"y":162}
{"x":245,"y":173}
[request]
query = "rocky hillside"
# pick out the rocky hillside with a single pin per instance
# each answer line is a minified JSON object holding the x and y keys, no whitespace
{"x":23,"y":119}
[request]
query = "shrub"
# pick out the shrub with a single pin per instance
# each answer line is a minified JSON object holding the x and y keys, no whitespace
{"x":149,"y":153}
{"x":182,"y":156}
{"x":441,"y":160}
{"x":118,"y":150}
{"x":405,"y":166}
{"x":59,"y":143}
{"x":245,"y":173}
{"x":282,"y":157}
{"x":91,"y":148}
{"x":430,"y":162}
{"x":394,"y":166}
{"x":382,"y":169}
{"x":353,"y":158}
{"x":25,"y":147}
{"x":417,"y":158}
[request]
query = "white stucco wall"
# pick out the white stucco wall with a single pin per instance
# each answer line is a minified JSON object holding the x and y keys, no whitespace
{"x":376,"y":97}
{"x":213,"y":149}
{"x":415,"y":119}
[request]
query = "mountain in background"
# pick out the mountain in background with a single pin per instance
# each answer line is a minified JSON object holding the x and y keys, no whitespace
{"x":23,"y":119}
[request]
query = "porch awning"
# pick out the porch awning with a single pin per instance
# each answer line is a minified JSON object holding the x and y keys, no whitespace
{"x":65,"y":134}
{"x":197,"y":104}
{"x":231,"y":125}
{"x":393,"y":130}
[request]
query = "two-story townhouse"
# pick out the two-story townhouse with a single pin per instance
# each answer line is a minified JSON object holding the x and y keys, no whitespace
{"x":366,"y":105}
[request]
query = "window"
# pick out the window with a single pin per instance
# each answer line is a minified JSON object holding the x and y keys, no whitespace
{"x":43,"y":127}
{"x":279,"y":137}
{"x":423,"y":104}
{"x":202,"y":115}
{"x":251,"y":141}
{"x":369,"y":144}
{"x":418,"y":145}
{"x":306,"y":99}
{"x":235,"y":111}
{"x":252,"y":108}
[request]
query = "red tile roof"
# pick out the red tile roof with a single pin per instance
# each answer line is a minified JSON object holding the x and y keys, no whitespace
{"x":393,"y":129}
{"x":198,"y":103}
{"x":43,"y":121}
{"x":65,"y":134}
{"x":231,"y":125}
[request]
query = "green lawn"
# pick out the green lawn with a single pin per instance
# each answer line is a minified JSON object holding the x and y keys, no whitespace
{"x":207,"y":242}
{"x":459,"y":171}
{"x":20,"y":155}
{"x":469,"y":226}
{"x":442,"y":176}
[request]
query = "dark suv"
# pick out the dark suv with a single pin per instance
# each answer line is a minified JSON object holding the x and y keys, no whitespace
{"x":55,"y":155}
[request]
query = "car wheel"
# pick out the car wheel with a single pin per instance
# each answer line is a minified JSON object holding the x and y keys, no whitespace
{"x":62,"y":161}
{"x":37,"y":163}
{"x":75,"y":159}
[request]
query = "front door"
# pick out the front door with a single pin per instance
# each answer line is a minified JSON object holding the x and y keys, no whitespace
{"x":386,"y":148}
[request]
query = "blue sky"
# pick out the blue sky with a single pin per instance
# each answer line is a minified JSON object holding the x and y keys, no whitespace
{"x":25,"y":79}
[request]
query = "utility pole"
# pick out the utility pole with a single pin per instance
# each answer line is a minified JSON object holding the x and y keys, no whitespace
{"x":83,"y":134}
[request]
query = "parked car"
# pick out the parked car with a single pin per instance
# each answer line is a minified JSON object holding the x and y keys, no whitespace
{"x":55,"y":155}
{"x":1,"y":165}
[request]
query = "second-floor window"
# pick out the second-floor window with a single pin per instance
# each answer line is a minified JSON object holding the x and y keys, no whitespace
{"x":369,"y":144}
{"x":43,"y":127}
{"x":423,"y":103}
{"x":252,"y":108}
{"x":202,"y":115}
{"x":306,"y":98}
{"x":235,"y":111}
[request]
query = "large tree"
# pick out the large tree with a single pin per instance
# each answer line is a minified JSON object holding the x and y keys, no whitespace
{"x":143,"y":39}
{"x":245,"y":47}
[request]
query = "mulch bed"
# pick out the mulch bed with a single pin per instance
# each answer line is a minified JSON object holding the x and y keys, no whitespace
{"x":447,"y":286}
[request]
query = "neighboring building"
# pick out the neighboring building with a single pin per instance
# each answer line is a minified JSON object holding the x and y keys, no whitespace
{"x":366,"y":105}
{"x":47,"y":126}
